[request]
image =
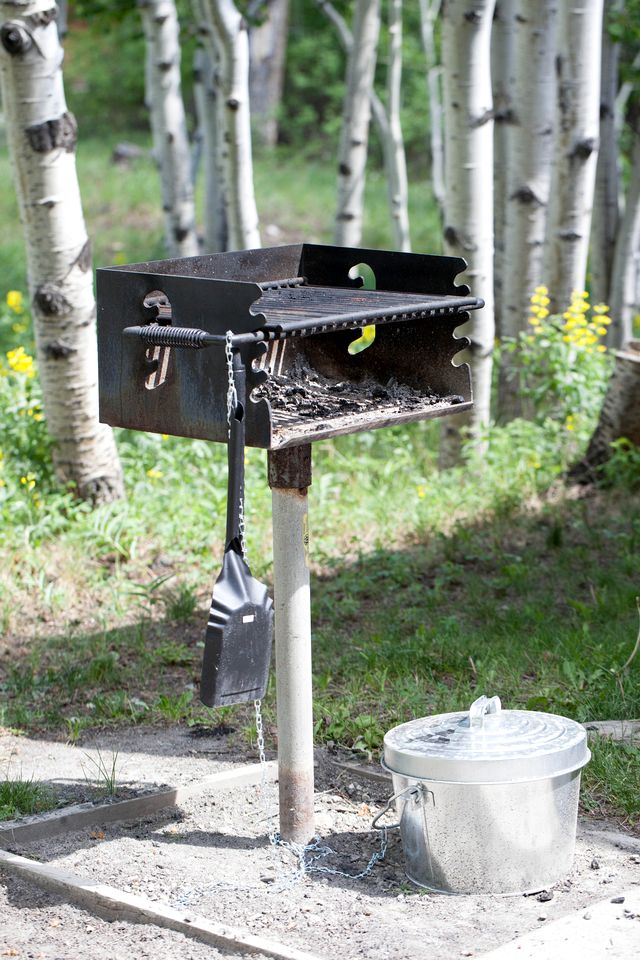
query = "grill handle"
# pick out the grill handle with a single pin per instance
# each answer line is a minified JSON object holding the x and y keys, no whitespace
{"x":161,"y":335}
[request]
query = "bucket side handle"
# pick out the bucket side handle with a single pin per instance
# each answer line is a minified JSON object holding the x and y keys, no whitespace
{"x":412,"y":790}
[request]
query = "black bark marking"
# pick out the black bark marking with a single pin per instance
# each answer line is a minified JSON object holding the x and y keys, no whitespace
{"x":232,"y":103}
{"x":457,"y":238}
{"x":346,"y":216}
{"x":480,"y":121}
{"x":472,"y":16}
{"x":83,"y":260}
{"x":527,"y":196}
{"x":58,"y":350}
{"x":508,"y":115}
{"x":344,"y":170}
{"x":15,"y":38}
{"x":570,"y":235}
{"x":51,"y":301}
{"x":583,"y":149}
{"x":180,"y":233}
{"x":44,"y":18}
{"x":54,"y":134}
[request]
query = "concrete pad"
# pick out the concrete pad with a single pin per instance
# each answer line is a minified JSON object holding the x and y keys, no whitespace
{"x":606,"y":930}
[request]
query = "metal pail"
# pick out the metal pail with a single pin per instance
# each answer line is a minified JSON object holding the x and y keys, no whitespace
{"x":487,"y":799}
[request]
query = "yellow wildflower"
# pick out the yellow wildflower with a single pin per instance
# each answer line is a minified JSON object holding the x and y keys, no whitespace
{"x":14,"y":301}
{"x":29,"y":481}
{"x":542,"y":313}
{"x":600,"y":308}
{"x":421,"y":491}
{"x":165,"y":436}
{"x":601,"y":331}
{"x":535,"y":298}
{"x":20,"y":361}
{"x":538,"y":329}
{"x":542,"y":290}
{"x":154,"y":474}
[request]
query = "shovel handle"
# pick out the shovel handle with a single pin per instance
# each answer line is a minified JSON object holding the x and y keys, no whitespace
{"x":235,"y":454}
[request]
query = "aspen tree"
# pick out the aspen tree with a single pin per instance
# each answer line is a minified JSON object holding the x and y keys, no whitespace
{"x":576,"y":154}
{"x":529,"y":146}
{"x":468,"y":112}
{"x":168,"y":124}
{"x":42,"y":135}
{"x":503,"y":63}
{"x":231,"y":43}
{"x":267,"y":46}
{"x":352,"y":153}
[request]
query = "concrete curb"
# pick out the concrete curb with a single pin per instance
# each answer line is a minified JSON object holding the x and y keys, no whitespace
{"x":113,"y":903}
{"x":82,"y":815}
{"x":600,"y":930}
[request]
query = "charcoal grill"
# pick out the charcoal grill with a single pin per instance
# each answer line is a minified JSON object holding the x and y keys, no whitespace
{"x":288,"y":316}
{"x":293,"y":311}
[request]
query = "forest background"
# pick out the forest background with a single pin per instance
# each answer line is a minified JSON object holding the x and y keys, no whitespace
{"x":433,"y":582}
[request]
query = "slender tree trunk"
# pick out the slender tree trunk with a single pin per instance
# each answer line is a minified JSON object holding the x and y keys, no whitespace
{"x":42,"y":134}
{"x":429,"y":10}
{"x":606,"y":201}
{"x":352,"y":155}
{"x":619,"y":417}
{"x":168,"y":124}
{"x":229,"y":33}
{"x":397,"y":183}
{"x":503,"y":67}
{"x":466,"y":33}
{"x":392,"y":145}
{"x":578,"y":123}
{"x":529,"y":155}
{"x":268,"y":46}
{"x":205,"y":96}
{"x":623,"y":299}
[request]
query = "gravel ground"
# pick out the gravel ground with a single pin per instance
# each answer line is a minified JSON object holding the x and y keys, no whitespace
{"x":212,"y":857}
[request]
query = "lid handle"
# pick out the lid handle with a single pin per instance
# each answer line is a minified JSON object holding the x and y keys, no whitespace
{"x":481,"y":707}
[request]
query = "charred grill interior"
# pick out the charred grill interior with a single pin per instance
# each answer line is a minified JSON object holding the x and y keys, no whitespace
{"x":293,"y":313}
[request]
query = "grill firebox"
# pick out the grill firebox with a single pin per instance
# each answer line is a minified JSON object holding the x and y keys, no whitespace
{"x":293,"y":312}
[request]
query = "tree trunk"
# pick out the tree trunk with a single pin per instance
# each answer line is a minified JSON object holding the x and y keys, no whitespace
{"x":397,"y":184}
{"x":623,"y":299}
{"x":42,"y":134}
{"x":503,"y":67}
{"x":394,"y":159}
{"x":429,"y":10}
{"x":466,"y":33}
{"x":268,"y":46}
{"x":205,"y":97}
{"x":606,"y":205}
{"x":576,"y":155}
{"x":229,"y":33}
{"x":619,"y":418}
{"x":529,"y":156}
{"x":168,"y":125}
{"x":352,"y":155}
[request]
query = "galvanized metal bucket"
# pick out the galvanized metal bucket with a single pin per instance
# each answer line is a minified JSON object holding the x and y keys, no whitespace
{"x":488,"y":798}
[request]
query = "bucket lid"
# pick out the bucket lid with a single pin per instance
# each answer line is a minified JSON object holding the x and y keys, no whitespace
{"x":486,"y":744}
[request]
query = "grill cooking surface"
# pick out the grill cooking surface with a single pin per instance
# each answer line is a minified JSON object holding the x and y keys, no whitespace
{"x":294,"y":308}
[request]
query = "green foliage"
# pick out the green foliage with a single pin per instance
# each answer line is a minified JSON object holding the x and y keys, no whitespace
{"x":21,"y":797}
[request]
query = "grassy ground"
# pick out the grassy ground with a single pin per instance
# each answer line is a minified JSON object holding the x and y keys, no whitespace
{"x":429,"y":588}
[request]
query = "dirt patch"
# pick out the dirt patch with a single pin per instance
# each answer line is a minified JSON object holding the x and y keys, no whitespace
{"x":213,"y":856}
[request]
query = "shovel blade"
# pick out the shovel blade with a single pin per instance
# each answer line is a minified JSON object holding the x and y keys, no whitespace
{"x":237,"y":649}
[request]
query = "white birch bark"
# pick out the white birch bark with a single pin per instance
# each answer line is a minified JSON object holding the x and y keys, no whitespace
{"x":205,"y":97}
{"x":623,"y":299}
{"x":229,"y":33}
{"x":394,"y":159}
{"x":619,"y":417}
{"x":466,"y":34}
{"x":606,"y":201}
{"x":41,"y":135}
{"x":168,"y":124}
{"x":397,"y":182}
{"x":528,"y":182}
{"x":352,"y":153}
{"x":576,"y":155}
{"x":503,"y":65}
{"x":429,"y":10}
{"x":267,"y":49}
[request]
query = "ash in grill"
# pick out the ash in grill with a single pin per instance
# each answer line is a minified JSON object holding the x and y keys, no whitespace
{"x":294,"y":313}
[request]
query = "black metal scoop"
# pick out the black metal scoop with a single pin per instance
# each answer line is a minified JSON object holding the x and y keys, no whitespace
{"x":237,"y":649}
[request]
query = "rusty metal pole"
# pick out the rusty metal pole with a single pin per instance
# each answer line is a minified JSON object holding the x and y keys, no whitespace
{"x":289,"y":477}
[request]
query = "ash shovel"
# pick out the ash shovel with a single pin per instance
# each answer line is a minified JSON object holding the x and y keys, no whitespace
{"x":239,"y":633}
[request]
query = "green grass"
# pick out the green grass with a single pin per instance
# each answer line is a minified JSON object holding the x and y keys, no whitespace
{"x":22,"y":797}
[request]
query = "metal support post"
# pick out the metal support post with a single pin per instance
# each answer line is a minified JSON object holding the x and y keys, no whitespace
{"x":289,"y":477}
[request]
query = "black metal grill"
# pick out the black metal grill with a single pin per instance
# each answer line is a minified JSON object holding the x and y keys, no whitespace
{"x":292,"y":312}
